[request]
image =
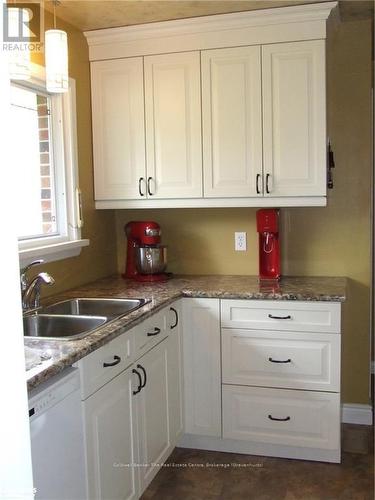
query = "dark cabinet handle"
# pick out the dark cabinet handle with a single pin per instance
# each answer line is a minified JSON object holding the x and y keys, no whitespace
{"x":139,"y":388}
{"x":267,"y":179}
{"x":148,"y":186}
{"x":279,"y":419}
{"x":155,"y":332}
{"x":279,"y":317}
{"x":144,"y":376}
{"x":176,"y":314}
{"x":257,"y":183}
{"x":278,"y":361}
{"x":141,"y":179}
{"x":116,"y":361}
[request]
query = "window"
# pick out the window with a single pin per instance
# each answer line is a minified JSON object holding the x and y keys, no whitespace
{"x":31,"y":113}
{"x":47,"y":218}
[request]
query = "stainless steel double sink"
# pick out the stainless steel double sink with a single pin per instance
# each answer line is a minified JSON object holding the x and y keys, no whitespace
{"x":75,"y":318}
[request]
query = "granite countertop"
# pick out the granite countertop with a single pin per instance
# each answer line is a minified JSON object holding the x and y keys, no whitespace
{"x":58,"y":354}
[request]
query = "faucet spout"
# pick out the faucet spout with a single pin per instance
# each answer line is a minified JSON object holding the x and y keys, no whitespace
{"x":31,"y":296}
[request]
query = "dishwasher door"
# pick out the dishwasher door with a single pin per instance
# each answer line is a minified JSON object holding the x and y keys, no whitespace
{"x":57,"y":443}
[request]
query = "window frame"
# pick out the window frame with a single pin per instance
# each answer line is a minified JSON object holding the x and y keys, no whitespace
{"x":68,"y":243}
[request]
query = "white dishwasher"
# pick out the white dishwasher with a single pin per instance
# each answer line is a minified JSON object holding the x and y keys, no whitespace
{"x":57,"y":443}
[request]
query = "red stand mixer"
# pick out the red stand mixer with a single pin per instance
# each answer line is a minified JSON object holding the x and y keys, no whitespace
{"x":269,"y":245}
{"x":146,"y":258}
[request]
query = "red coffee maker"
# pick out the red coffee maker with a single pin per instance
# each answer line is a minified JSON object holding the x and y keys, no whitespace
{"x":146,"y":258}
{"x":269,"y":248}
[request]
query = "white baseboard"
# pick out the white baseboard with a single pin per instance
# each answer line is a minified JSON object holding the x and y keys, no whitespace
{"x":356,"y":414}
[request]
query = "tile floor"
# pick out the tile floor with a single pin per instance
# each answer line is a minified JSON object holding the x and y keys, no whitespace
{"x":205,"y":475}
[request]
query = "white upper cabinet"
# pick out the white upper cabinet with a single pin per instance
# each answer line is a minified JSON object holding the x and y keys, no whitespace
{"x":294,"y":127}
{"x":118,"y":128}
{"x":232,"y":122}
{"x":173,"y":125}
{"x":233,"y":112}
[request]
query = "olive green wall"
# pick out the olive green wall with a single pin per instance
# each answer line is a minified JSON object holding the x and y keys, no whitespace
{"x":329,"y":241}
{"x":336,"y":240}
{"x":99,"y":258}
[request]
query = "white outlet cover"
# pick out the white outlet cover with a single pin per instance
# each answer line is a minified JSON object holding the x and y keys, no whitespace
{"x":240,"y":241}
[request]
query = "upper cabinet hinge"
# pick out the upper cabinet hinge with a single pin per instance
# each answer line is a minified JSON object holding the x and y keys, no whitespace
{"x":330,"y":165}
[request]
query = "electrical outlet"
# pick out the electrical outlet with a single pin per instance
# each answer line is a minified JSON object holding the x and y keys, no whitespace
{"x":240,"y":241}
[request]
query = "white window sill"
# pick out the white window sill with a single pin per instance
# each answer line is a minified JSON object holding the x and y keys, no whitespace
{"x":51,"y":253}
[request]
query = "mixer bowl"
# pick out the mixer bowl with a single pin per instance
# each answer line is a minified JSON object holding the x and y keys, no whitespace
{"x":151,"y":260}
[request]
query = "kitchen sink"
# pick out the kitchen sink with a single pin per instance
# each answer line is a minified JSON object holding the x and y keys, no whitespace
{"x":73,"y":319}
{"x":111,"y":308}
{"x":60,"y":327}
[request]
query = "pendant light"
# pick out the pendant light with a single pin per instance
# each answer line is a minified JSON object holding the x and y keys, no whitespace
{"x":19,"y":57}
{"x":56,"y":54}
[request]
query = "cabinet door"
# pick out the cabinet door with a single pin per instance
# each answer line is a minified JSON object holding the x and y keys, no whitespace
{"x":202,"y":378}
{"x":118,"y":128}
{"x":152,"y":413}
{"x":175,"y":381}
{"x":110,"y":429}
{"x":294,"y":124}
{"x":173,"y":125}
{"x":232,"y":122}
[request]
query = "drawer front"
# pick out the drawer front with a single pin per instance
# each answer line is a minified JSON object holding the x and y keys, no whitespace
{"x":277,"y":359}
{"x":281,"y":315}
{"x":104,"y":364}
{"x":150,"y":333}
{"x":283,"y":417}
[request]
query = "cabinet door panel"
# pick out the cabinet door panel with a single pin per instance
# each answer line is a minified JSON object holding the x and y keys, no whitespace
{"x":110,"y":429}
{"x":232,"y":130}
{"x":294,"y":128}
{"x":173,"y":125}
{"x":202,"y":377}
{"x":152,"y":413}
{"x":118,"y":128}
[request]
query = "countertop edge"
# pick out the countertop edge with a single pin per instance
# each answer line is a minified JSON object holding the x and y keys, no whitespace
{"x":76,"y":350}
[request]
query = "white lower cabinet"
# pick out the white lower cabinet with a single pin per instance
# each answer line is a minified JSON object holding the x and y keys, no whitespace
{"x":279,"y":376}
{"x":111,"y":441}
{"x":132,"y":404}
{"x":202,"y":378}
{"x":215,"y":370}
{"x":152,"y":413}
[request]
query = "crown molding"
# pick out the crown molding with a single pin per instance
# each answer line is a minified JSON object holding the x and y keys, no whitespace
{"x":302,"y":22}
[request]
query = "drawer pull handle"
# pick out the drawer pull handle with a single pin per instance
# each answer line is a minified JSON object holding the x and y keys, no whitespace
{"x":279,"y":419}
{"x":279,"y":317}
{"x":144,"y":376}
{"x":139,"y":388}
{"x":176,"y":322}
{"x":279,"y":361}
{"x":116,"y":361}
{"x":155,"y":332}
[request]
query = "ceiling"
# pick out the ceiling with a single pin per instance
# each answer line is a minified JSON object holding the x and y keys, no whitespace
{"x":97,"y":14}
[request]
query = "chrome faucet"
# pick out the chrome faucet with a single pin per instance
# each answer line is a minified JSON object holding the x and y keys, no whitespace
{"x":31,"y":291}
{"x":23,"y":274}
